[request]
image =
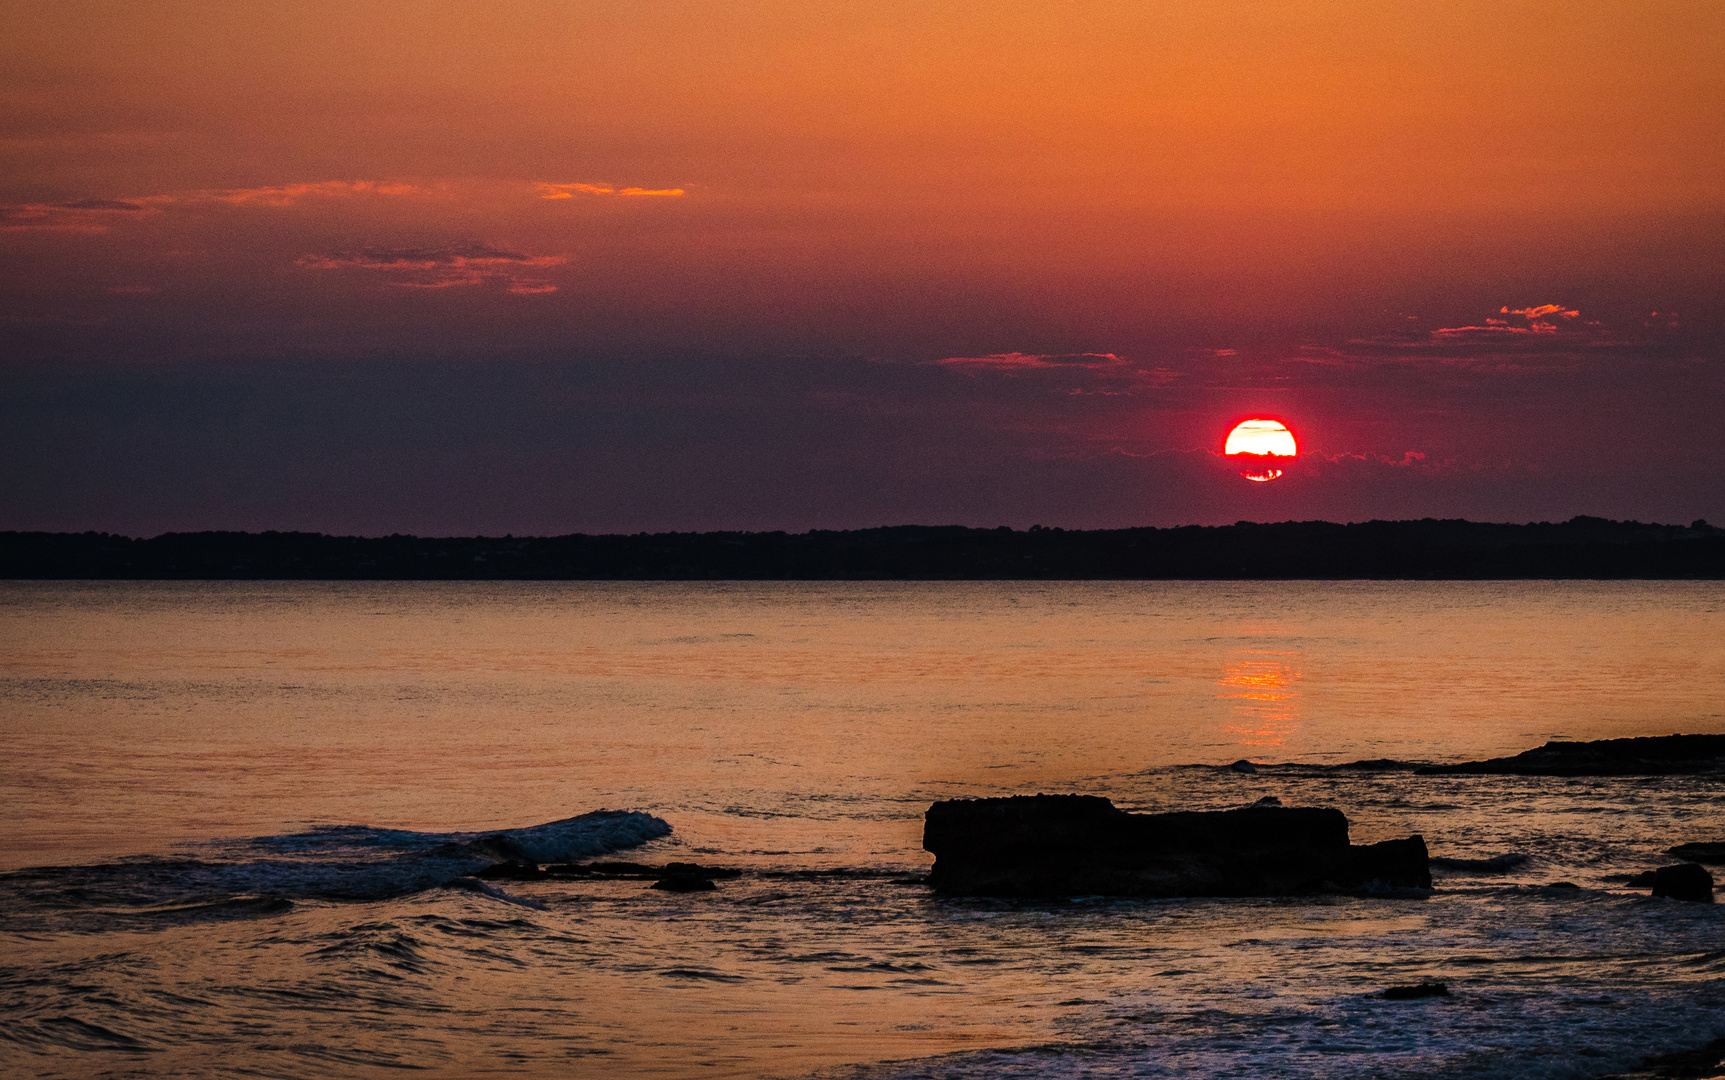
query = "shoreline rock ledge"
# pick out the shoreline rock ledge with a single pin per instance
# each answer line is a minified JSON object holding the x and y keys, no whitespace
{"x":1655,"y":755}
{"x":1082,"y":845}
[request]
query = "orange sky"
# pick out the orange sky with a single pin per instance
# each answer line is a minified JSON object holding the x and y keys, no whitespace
{"x":1201,"y":191}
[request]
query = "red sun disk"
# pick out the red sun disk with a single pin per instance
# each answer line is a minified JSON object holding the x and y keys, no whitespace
{"x":1255,"y":442}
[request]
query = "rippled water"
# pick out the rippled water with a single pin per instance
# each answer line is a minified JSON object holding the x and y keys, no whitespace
{"x":185,"y":766}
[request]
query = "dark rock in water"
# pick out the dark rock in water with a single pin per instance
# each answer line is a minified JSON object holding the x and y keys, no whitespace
{"x":702,"y":871}
{"x":1702,"y":853}
{"x":1496,"y":864}
{"x":1635,"y":881}
{"x":603,"y":870}
{"x":1268,"y":800}
{"x":1707,"y":1063}
{"x":1243,"y":766}
{"x":691,"y":877}
{"x":1653,"y":756}
{"x":1076,"y":845}
{"x":625,"y":871}
{"x":684,"y":883}
{"x":1423,"y":990}
{"x":1685,"y":881}
{"x":510,"y":871}
{"x":1562,"y":885}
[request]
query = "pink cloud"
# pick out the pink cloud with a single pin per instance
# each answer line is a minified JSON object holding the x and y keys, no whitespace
{"x":79,"y":215}
{"x":98,"y":215}
{"x":1536,"y":316}
{"x":1539,"y":312}
{"x":569,"y":191}
{"x":289,"y":194}
{"x":444,"y":267}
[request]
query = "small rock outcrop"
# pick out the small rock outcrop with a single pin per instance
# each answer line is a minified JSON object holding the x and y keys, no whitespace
{"x":688,"y":877}
{"x":1081,"y":845}
{"x":1660,"y":755}
{"x":1713,"y":852}
{"x":1685,"y":881}
{"x":1422,"y":990}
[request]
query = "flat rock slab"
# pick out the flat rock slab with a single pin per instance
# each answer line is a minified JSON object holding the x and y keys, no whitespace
{"x":1082,"y":845}
{"x":1659,"y":755}
{"x":1710,"y":852}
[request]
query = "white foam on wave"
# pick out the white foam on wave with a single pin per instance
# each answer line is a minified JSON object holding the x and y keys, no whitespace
{"x":485,"y":888}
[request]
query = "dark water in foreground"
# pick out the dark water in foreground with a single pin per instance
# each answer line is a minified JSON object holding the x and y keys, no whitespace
{"x":242,"y":804}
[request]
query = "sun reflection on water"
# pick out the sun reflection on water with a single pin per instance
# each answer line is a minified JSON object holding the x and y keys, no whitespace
{"x":1266,"y":697}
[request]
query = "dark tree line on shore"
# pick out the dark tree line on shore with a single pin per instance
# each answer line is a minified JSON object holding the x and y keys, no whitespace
{"x":1582,"y":547}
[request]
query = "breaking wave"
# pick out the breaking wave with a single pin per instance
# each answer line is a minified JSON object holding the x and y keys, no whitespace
{"x":339,"y":862}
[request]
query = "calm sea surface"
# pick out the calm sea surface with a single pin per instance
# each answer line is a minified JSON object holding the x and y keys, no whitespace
{"x":223,"y":805}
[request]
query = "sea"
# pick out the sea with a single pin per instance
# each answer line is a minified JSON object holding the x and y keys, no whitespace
{"x":238,"y":820}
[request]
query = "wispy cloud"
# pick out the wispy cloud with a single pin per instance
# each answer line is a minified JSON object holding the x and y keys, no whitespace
{"x":1536,"y":316}
{"x":1540,"y":312}
{"x":1017,"y":361}
{"x":570,"y":191}
{"x":100,"y":215}
{"x":444,"y":267}
{"x":289,"y":194}
{"x":1106,"y":374}
{"x":81,"y":215}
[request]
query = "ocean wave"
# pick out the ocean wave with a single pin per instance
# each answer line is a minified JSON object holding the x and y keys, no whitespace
{"x":567,"y":840}
{"x":1496,"y":864}
{"x":341,"y":862}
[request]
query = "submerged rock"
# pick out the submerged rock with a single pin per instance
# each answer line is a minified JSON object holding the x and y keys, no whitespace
{"x":1702,"y":853}
{"x":1077,"y":845}
{"x":1635,"y":881}
{"x":1685,"y":881}
{"x":684,"y":883}
{"x":510,"y":871}
{"x":1422,"y":990}
{"x":1653,"y":756}
{"x":688,"y":877}
{"x":1243,"y":766}
{"x":624,"y":871}
{"x":604,"y":871}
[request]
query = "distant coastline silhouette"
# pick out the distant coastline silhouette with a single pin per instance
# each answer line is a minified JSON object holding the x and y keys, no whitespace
{"x":1582,"y":547}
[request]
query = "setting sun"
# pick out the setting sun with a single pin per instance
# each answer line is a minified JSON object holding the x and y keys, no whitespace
{"x":1257,"y":439}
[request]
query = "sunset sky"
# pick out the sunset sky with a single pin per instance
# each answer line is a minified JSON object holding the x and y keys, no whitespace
{"x":544,"y":267}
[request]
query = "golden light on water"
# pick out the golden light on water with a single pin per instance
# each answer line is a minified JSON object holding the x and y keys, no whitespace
{"x":1260,"y":438}
{"x":1264,"y":688}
